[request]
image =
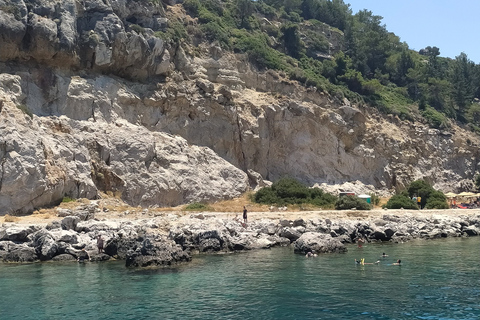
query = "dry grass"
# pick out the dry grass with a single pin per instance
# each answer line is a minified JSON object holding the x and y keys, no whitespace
{"x":9,"y":218}
{"x":236,"y":205}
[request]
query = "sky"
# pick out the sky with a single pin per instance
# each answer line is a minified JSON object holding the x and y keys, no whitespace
{"x":451,"y":25}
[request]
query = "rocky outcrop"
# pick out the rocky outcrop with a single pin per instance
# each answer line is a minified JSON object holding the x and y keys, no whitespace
{"x":115,"y":37}
{"x":318,"y":243}
{"x":166,"y":240}
{"x":92,"y":100}
{"x":161,"y":252}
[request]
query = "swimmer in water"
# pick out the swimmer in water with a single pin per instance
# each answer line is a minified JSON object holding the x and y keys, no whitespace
{"x":398,"y":263}
{"x":360,"y":242}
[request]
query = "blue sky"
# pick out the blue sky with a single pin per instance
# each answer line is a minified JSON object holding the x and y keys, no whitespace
{"x":451,"y":25}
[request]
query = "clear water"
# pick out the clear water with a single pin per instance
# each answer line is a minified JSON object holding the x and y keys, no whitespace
{"x":438,"y":280}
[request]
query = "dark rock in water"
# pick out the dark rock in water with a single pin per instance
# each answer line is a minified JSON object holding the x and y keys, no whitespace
{"x":21,"y":254}
{"x":44,"y":244}
{"x":64,"y":257}
{"x":209,"y":241}
{"x":471,"y":231}
{"x":389,"y":232}
{"x":118,"y":247}
{"x":211,"y":244}
{"x":379,"y":235}
{"x":156,"y":253}
{"x":318,"y":242}
{"x":99,"y":257}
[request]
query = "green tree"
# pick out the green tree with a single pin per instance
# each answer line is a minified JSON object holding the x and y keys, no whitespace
{"x":291,"y":40}
{"x":463,"y":81}
{"x":244,"y":9}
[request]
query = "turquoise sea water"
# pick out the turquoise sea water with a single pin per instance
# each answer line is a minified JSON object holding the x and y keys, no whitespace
{"x":439,"y":279}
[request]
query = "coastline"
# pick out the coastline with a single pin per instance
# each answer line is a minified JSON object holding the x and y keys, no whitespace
{"x":146,"y":237}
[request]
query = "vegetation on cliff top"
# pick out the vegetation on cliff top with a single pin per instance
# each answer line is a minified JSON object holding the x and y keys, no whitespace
{"x":322,"y":43}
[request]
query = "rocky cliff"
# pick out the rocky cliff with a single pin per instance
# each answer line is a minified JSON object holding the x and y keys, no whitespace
{"x":91,"y":100}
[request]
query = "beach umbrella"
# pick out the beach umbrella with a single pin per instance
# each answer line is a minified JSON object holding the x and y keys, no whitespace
{"x":450,"y":195}
{"x":466,"y":194}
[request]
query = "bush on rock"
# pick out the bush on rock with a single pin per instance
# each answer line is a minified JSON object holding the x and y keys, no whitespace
{"x":352,"y":202}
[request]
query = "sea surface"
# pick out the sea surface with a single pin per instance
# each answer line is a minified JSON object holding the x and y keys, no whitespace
{"x":438,"y":279}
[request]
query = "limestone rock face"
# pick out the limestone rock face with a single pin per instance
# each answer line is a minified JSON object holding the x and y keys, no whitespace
{"x":44,"y":159}
{"x":92,"y":100}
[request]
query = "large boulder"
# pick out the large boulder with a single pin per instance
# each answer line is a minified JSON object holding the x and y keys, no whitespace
{"x":70,"y":222}
{"x":161,"y":252}
{"x":119,"y":247}
{"x":21,"y":253}
{"x":45,"y":245}
{"x":290,"y":233}
{"x":15,"y":233}
{"x":318,"y":242}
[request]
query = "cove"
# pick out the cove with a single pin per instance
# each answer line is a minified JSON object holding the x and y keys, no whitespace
{"x":438,"y":279}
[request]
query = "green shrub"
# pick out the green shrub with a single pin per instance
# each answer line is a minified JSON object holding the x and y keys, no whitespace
{"x":258,"y":49}
{"x":352,"y":202}
{"x":436,"y":200}
{"x":175,"y":32}
{"x":399,"y":201}
{"x":290,"y":191}
{"x":196,"y":206}
{"x":138,"y":29}
{"x":192,"y":7}
{"x":266,"y":195}
{"x":213,"y":31}
{"x":374,"y":199}
{"x":435,"y":119}
{"x":68,"y":199}
{"x":205,"y":16}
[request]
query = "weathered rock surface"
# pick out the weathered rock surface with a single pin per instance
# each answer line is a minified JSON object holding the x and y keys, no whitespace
{"x":91,"y":100}
{"x":318,"y":243}
{"x":162,"y":252}
{"x":166,"y":240}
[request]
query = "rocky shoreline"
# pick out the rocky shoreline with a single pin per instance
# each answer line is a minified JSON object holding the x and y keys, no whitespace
{"x":172,"y":237}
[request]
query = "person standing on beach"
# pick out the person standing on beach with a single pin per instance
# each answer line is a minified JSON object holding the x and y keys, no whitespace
{"x":100,"y":244}
{"x":244,"y":215}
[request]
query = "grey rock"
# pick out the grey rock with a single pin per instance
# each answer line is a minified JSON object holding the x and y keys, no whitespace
{"x":45,"y":245}
{"x":70,"y":222}
{"x":290,"y":233}
{"x":64,"y":257}
{"x":299,"y":222}
{"x":21,"y":254}
{"x":14,"y":233}
{"x":319,"y":243}
{"x":156,"y":253}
